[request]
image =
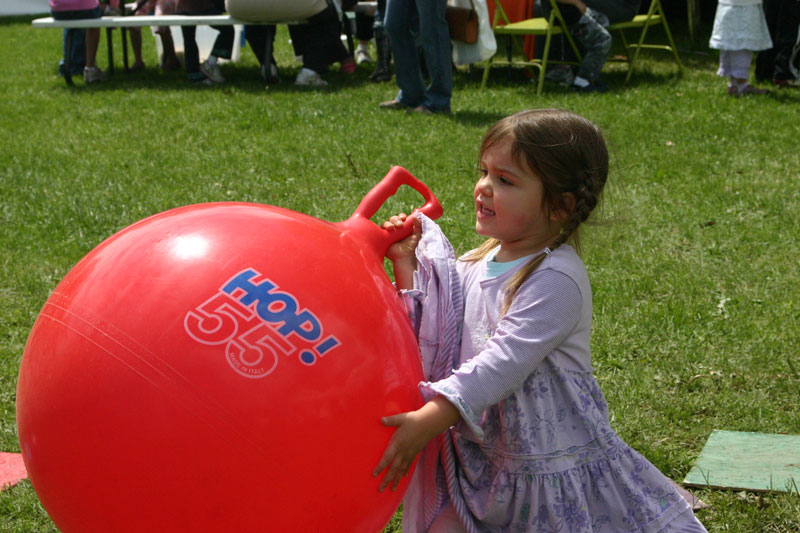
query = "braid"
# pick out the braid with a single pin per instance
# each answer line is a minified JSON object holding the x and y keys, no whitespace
{"x":586,"y":199}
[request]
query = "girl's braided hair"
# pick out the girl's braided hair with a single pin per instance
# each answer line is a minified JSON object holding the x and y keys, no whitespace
{"x":568,"y":154}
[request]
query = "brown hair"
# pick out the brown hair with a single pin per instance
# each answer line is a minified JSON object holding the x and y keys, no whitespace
{"x":568,"y":154}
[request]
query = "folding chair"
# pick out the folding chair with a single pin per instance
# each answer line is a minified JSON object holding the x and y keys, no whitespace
{"x":654,"y":17}
{"x":514,"y":33}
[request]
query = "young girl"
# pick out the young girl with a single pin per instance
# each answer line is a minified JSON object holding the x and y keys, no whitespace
{"x":529,"y":445}
{"x":739,"y":30}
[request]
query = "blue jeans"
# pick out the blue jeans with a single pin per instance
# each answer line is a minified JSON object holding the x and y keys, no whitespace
{"x":77,"y":59}
{"x":410,"y":23}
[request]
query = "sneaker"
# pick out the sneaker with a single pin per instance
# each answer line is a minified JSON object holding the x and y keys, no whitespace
{"x":749,"y":89}
{"x":348,"y":66}
{"x":362,"y":56}
{"x":212,"y":72}
{"x":786,"y":83}
{"x":421,"y":109}
{"x":593,"y":87}
{"x":308,"y":78}
{"x":392,"y":104}
{"x":561,"y":74}
{"x":93,"y":75}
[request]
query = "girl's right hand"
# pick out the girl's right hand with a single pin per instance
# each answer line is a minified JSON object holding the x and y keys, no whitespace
{"x":402,"y":254}
{"x":403,"y":249}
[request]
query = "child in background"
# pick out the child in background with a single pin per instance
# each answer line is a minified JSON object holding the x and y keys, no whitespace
{"x":739,"y":30}
{"x":73,"y":10}
{"x":529,"y":445}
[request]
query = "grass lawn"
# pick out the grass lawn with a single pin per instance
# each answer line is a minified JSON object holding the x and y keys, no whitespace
{"x":694,"y":266}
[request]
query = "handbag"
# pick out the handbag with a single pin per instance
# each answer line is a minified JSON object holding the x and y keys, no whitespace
{"x":463,"y":23}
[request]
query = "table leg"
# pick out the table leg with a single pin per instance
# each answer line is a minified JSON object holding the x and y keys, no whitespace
{"x":67,"y":58}
{"x":110,"y":51}
{"x":269,"y":39}
{"x":124,"y":33}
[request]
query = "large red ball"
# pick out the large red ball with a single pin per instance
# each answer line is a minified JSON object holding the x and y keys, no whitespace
{"x":218,"y":367}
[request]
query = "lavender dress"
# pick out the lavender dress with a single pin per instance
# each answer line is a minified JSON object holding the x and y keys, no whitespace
{"x":534,"y":450}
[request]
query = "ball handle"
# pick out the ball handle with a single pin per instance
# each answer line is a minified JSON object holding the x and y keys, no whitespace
{"x":386,"y":188}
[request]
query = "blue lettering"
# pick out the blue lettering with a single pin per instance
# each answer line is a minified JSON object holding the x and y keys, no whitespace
{"x":275,"y":307}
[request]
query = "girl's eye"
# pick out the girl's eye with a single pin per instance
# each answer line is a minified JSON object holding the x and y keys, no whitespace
{"x":505,"y":181}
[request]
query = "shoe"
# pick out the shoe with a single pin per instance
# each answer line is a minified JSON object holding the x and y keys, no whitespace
{"x":421,"y":109}
{"x":593,"y":87}
{"x":561,"y":74}
{"x":749,"y":89}
{"x":212,"y":72}
{"x":362,"y":56}
{"x":173,"y":63}
{"x":348,"y":66}
{"x":786,"y":83}
{"x":308,"y":78}
{"x":93,"y":75}
{"x":392,"y":104}
{"x":137,"y":66}
{"x":746,"y":89}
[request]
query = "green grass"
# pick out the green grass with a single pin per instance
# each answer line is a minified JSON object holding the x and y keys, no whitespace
{"x":694,"y":265}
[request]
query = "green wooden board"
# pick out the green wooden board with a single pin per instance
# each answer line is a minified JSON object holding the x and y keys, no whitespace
{"x":748,"y":461}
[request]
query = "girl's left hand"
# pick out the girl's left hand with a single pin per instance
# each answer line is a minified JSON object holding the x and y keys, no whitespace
{"x":414,"y":431}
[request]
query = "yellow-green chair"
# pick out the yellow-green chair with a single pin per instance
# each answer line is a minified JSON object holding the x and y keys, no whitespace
{"x":653,"y":17}
{"x":555,"y":25}
{"x":515,"y":32}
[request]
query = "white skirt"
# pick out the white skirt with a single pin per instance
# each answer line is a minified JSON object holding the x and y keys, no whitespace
{"x":740,"y":28}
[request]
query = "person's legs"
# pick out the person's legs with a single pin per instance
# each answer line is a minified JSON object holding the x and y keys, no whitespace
{"x":136,"y":44}
{"x":169,"y":59}
{"x":735,"y":65}
{"x":435,"y":42}
{"x":364,"y":34}
{"x":322,"y":43}
{"x":786,"y":39}
{"x":765,"y":59}
{"x":591,"y":33}
{"x":257,"y":35}
{"x":92,"y":41}
{"x":615,"y":10}
{"x":191,"y":55}
{"x":383,"y":69}
{"x":400,"y":23}
{"x":77,"y":58}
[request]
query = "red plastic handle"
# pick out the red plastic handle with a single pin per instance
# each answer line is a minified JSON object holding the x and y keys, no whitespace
{"x":385,"y":189}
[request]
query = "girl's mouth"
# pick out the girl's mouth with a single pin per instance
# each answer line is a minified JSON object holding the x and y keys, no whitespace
{"x":482,"y":210}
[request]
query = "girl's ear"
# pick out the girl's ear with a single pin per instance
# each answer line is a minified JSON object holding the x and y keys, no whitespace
{"x":562,"y":212}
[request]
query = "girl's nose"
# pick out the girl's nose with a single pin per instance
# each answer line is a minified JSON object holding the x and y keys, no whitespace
{"x":484,"y":186}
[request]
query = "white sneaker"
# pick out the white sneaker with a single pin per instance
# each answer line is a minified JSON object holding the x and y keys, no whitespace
{"x":212,"y":72}
{"x":93,"y":75}
{"x":308,"y":78}
{"x":362,"y":56}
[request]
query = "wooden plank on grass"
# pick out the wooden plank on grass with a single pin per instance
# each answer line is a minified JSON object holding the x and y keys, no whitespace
{"x":748,"y":461}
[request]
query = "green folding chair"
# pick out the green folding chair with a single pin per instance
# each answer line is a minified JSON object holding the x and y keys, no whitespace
{"x":653,"y":17}
{"x":515,"y":32}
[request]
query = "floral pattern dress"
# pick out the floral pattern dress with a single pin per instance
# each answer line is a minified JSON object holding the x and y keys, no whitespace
{"x":534,"y":451}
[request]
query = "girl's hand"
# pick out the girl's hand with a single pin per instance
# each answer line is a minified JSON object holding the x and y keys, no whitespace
{"x":402,"y":253}
{"x":414,"y":431}
{"x":406,"y":247}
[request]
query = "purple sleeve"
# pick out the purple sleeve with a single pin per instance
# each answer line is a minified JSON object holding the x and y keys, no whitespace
{"x":544,"y":312}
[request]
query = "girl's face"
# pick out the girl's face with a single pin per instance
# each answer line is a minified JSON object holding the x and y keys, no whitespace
{"x":509,"y":205}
